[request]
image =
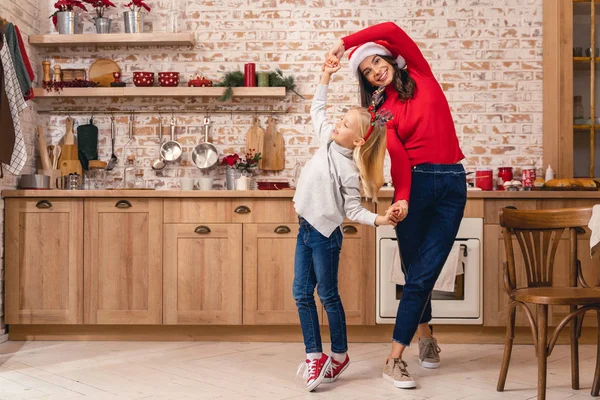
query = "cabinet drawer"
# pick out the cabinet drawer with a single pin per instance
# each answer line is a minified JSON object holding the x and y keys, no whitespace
{"x":217,"y":210}
{"x":263,"y":211}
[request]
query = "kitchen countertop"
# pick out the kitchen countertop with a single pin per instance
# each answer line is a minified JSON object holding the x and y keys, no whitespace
{"x":384,"y":193}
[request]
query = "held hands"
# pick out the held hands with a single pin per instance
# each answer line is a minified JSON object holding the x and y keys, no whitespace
{"x":398,"y":211}
{"x":385,"y":219}
{"x":333,"y":56}
{"x":330,"y":69}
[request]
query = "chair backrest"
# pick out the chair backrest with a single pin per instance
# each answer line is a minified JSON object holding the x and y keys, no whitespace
{"x":538,"y":234}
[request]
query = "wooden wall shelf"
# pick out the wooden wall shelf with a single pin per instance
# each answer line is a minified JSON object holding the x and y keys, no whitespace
{"x":113,"y":39}
{"x":159,"y":92}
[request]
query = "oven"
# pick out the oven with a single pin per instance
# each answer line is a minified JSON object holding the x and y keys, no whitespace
{"x":462,"y":306}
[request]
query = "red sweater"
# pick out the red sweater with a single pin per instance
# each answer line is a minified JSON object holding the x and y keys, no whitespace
{"x":422,"y":130}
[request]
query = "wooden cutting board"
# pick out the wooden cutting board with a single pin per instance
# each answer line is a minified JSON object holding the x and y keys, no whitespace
{"x":102,"y":70}
{"x":70,"y":167}
{"x":273,"y":156}
{"x":255,"y":140}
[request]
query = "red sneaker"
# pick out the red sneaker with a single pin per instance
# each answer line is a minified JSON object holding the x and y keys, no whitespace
{"x":314,"y":371}
{"x":336,"y":370}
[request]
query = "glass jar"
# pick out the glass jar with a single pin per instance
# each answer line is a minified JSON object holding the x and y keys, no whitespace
{"x":95,"y":179}
{"x":577,"y":108}
{"x":139,"y":182}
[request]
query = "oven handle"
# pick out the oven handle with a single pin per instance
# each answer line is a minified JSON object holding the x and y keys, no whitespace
{"x":463,"y":247}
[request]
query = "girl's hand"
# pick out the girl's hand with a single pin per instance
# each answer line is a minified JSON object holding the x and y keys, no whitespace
{"x":399,"y":211}
{"x":329,"y":69}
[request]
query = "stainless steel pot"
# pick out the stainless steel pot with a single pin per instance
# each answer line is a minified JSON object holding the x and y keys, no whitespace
{"x":205,"y":155}
{"x":34,"y":181}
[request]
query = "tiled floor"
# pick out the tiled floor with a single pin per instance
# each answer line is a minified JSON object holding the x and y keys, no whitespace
{"x":200,"y":370}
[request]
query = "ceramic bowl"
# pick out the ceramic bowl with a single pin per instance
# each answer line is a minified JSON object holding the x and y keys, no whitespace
{"x":143,"y":78}
{"x":169,"y":79}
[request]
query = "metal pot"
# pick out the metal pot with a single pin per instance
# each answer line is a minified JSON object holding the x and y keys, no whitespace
{"x":102,"y":24}
{"x":205,"y":155}
{"x":34,"y":181}
{"x":134,"y":21}
{"x":171,"y":150}
{"x":66,"y":22}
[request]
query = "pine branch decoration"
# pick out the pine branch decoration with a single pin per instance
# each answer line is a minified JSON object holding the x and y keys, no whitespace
{"x":276,"y":79}
{"x":231,"y":80}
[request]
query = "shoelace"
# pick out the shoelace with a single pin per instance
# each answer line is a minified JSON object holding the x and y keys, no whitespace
{"x":401,"y":365}
{"x":431,"y":350}
{"x":308,"y":369}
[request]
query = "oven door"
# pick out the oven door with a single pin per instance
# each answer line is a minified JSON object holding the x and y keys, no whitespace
{"x":463,"y":306}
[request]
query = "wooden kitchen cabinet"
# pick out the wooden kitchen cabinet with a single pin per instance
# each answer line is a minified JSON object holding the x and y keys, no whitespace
{"x":44,"y":261}
{"x":123,"y":261}
{"x":202,"y":274}
{"x":269,"y":273}
{"x":356,"y":275}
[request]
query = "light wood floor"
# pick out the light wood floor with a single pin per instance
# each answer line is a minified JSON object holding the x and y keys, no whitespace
{"x":202,"y":370}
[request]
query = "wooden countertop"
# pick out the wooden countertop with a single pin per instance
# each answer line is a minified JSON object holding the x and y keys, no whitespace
{"x":384,"y":194}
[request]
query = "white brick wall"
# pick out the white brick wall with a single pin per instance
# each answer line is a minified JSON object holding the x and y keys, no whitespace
{"x":26,"y":15}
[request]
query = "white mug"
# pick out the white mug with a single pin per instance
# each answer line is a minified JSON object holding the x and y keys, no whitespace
{"x":204,"y":183}
{"x":187,"y":183}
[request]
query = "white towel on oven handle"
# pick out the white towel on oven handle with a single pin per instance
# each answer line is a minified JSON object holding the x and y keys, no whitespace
{"x":446,"y":280}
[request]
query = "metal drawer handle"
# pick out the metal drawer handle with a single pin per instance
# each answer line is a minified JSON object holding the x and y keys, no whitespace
{"x":282,"y":229}
{"x":123,"y":204}
{"x":202,"y":230}
{"x":242,"y":210}
{"x":43,"y":204}
{"x":349,"y":229}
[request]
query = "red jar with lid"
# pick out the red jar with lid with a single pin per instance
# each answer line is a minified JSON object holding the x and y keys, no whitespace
{"x":484,"y":178}
{"x":505,"y":174}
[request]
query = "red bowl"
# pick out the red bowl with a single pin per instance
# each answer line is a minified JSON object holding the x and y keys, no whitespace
{"x":169,"y":79}
{"x":143,"y":78}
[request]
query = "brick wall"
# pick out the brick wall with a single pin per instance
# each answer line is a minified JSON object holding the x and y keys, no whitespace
{"x":26,"y":15}
{"x":487,"y":58}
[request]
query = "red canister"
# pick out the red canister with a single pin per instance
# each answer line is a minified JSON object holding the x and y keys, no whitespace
{"x":528,"y":177}
{"x":484,"y":178}
{"x":505,"y":174}
{"x":249,"y":75}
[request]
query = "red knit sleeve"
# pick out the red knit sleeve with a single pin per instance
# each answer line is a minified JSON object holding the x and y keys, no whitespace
{"x":400,"y":170}
{"x":400,"y":43}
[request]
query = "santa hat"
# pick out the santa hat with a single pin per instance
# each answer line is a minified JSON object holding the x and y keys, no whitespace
{"x":378,"y":47}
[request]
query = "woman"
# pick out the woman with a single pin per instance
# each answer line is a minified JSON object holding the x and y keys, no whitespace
{"x":426,"y":173}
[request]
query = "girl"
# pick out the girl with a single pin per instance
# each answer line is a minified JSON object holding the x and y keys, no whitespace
{"x":350,"y":157}
{"x":425,"y":155}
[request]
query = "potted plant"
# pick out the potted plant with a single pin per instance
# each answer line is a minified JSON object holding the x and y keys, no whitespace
{"x":102,"y":23}
{"x":65,"y":19}
{"x":134,"y":18}
{"x":239,"y":170}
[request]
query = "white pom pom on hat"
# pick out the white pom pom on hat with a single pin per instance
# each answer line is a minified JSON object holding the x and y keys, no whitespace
{"x":379,"y":47}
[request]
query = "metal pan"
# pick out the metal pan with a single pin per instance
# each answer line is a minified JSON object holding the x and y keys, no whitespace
{"x":205,"y":155}
{"x":171,"y":150}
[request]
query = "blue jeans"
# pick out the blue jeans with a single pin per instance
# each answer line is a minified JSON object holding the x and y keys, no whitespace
{"x":437,"y":202}
{"x":316,"y":264}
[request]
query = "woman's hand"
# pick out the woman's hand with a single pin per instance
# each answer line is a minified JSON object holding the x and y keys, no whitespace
{"x":398,"y":211}
{"x":336,"y":51}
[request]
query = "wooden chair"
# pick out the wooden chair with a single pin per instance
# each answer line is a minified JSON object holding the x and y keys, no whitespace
{"x":538,"y":234}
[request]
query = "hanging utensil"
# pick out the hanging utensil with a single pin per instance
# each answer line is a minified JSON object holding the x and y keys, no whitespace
{"x":158,"y":164}
{"x":171,"y":150}
{"x":113,"y":158}
{"x":56,"y":151}
{"x":205,"y":155}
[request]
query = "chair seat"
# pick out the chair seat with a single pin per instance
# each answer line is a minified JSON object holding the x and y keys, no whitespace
{"x":558,"y":295}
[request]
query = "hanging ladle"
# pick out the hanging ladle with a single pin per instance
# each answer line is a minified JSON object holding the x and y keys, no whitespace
{"x":159,"y":163}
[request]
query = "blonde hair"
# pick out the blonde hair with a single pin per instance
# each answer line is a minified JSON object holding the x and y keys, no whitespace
{"x":369,"y":157}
